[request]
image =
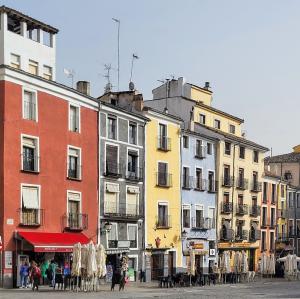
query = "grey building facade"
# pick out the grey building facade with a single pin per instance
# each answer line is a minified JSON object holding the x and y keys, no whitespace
{"x":121,"y":174}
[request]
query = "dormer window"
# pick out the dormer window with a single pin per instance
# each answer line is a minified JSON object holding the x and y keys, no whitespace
{"x":15,"y":61}
{"x":13,"y":24}
{"x":202,"y":119}
{"x":47,"y":72}
{"x":33,"y":67}
{"x":232,"y":129}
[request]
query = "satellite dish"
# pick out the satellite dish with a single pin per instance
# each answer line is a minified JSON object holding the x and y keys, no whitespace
{"x":131,"y":86}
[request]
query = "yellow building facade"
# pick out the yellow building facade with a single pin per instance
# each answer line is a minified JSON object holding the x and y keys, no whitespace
{"x":163,"y":252}
{"x":239,"y":168}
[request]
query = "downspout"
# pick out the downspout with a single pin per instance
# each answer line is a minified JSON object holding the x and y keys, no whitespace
{"x":217,"y":200}
{"x":233,"y":180}
{"x":99,"y":184}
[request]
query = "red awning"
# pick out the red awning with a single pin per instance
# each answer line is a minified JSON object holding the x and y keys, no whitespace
{"x":53,"y":242}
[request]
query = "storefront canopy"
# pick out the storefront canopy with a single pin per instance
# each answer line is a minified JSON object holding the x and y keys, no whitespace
{"x":53,"y":242}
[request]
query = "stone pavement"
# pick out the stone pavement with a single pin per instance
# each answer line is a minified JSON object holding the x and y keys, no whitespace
{"x":276,"y":288}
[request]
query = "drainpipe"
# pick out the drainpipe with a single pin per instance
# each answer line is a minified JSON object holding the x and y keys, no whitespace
{"x":233,"y":180}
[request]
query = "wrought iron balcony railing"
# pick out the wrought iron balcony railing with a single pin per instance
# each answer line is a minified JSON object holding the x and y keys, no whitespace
{"x":200,"y":184}
{"x":134,"y":174}
{"x":30,"y":163}
{"x":256,"y":186}
{"x":241,"y":209}
{"x":163,"y":143}
{"x":226,"y":235}
{"x":163,"y":222}
{"x":187,"y":182}
{"x":227,"y":181}
{"x":163,"y":179}
{"x":242,"y":235}
{"x":254,"y":235}
{"x":203,"y":223}
{"x":113,"y":169}
{"x":121,"y":210}
{"x":75,"y":221}
{"x":242,"y":183}
{"x":226,"y":207}
{"x":255,"y":211}
{"x":31,"y":217}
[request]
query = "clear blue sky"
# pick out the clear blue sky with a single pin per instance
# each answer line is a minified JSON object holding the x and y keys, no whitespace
{"x":248,"y":50}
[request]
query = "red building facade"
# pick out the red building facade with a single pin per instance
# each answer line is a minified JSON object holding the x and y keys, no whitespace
{"x":48,"y":165}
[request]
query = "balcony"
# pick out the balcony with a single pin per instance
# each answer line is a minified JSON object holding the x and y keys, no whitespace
{"x":200,"y":184}
{"x":241,"y":209}
{"x":256,"y":186}
{"x":226,"y":207}
{"x":227,"y":181}
{"x":242,"y":183}
{"x":163,"y":179}
{"x":203,"y":223}
{"x":75,"y":221}
{"x":30,"y":163}
{"x":281,"y":237}
{"x":163,"y":143}
{"x":226,"y":234}
{"x":187,"y":182}
{"x":254,"y":235}
{"x":74,"y":172}
{"x":31,"y":217}
{"x":212,"y":186}
{"x":242,"y":235}
{"x":122,"y":211}
{"x":200,"y":152}
{"x":255,"y":211}
{"x":282,"y":213}
{"x":113,"y":170}
{"x":163,"y":222}
{"x":134,"y":174}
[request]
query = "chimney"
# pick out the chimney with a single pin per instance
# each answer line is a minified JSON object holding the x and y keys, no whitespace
{"x":83,"y":87}
{"x":206,"y":86}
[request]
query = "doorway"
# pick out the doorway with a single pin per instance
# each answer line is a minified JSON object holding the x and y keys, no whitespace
{"x":157,"y":266}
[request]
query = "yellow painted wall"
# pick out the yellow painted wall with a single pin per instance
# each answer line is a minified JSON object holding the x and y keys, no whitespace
{"x":282,"y":221}
{"x":212,"y":115}
{"x":201,"y":95}
{"x":154,"y":194}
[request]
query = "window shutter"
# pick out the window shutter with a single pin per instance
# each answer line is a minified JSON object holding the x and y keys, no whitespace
{"x":30,"y":197}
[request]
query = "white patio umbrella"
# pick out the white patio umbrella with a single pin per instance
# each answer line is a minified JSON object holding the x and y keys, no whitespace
{"x":192,"y":261}
{"x":271,"y":268}
{"x":91,"y":264}
{"x":84,"y":254}
{"x":237,"y":262}
{"x":76,"y":265}
{"x":245,"y":265}
{"x":294,"y":263}
{"x":101,"y":261}
{"x":263,"y":268}
{"x":227,"y":262}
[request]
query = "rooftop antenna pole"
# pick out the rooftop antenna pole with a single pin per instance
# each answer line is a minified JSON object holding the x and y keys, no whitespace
{"x":119,"y":23}
{"x":134,"y":56}
{"x":70,"y":74}
{"x":107,"y":68}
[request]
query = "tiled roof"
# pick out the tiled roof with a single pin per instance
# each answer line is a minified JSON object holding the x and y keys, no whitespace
{"x":286,"y":158}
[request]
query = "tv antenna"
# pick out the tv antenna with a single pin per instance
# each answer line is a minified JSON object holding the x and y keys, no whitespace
{"x":118,"y":21}
{"x":108,"y":86}
{"x":70,"y":74}
{"x":131,"y":84}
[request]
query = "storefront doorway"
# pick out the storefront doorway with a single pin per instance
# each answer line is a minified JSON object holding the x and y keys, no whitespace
{"x":157,"y":266}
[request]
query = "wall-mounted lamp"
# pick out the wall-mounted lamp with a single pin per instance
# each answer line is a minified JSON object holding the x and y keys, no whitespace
{"x":184,"y":234}
{"x":106,"y":227}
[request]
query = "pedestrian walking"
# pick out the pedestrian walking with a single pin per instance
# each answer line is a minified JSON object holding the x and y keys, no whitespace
{"x":35,"y":275}
{"x":44,"y":269}
{"x":24,"y":273}
{"x":52,"y":268}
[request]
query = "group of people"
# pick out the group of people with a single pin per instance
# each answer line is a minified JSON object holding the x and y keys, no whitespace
{"x":31,"y":274}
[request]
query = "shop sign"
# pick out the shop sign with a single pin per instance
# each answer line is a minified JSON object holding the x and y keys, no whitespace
{"x":198,"y":246}
{"x":8,"y":259}
{"x":212,"y":252}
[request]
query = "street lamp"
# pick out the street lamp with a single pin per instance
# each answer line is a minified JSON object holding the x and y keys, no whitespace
{"x":184,"y":234}
{"x":107,"y":226}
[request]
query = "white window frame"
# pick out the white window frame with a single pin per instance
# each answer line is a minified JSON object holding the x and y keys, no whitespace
{"x":47,"y":74}
{"x":80,"y":200}
{"x":36,"y":64}
{"x":112,"y":144}
{"x":18,"y":58}
{"x":80,"y":160}
{"x":34,"y":92}
{"x":117,"y":233}
{"x":137,"y":196}
{"x":39,"y":195}
{"x":108,"y":115}
{"x":136,"y":133}
{"x":186,"y":207}
{"x":37,"y":150}
{"x":219,"y":121}
{"x":137,"y":234}
{"x":118,"y":196}
{"x":232,"y":126}
{"x":132,"y":149}
{"x":79,"y":117}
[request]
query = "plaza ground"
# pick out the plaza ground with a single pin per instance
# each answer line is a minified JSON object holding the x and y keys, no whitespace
{"x":266,"y":288}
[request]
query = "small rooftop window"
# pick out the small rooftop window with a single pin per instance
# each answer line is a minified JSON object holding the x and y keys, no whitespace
{"x":32,"y":32}
{"x":13,"y":24}
{"x":47,"y":39}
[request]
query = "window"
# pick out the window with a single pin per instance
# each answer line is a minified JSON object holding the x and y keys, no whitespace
{"x":211,"y":215}
{"x":200,"y":149}
{"x":209,"y":148}
{"x":30,"y":154}
{"x":47,"y":39}
{"x":132,"y":133}
{"x":29,"y":105}
{"x":112,"y":127}
{"x":282,"y":190}
{"x":163,"y":218}
{"x":74,"y":219}
{"x":185,"y":140}
{"x":255,"y":156}
{"x":242,"y":152}
{"x":47,"y":72}
{"x":265,"y":192}
{"x":186,"y":177}
{"x":226,"y":197}
{"x":217,"y":124}
{"x":74,"y":163}
{"x":112,"y":236}
{"x":111,"y":199}
{"x":263,"y":241}
{"x":199,"y":180}
{"x":15,"y":61}
{"x":132,"y":201}
{"x":272,"y":241}
{"x":13,"y":24}
{"x":33,"y":67}
{"x":199,"y":216}
{"x":186,"y":216}
{"x":291,"y":200}
{"x":74,"y":118}
{"x":163,"y":176}
{"x":32,"y":33}
{"x":232,"y":129}
{"x":255,"y":181}
{"x":163,"y":140}
{"x":264,"y":216}
{"x":211,"y":182}
{"x":30,"y":210}
{"x":132,"y":168}
{"x":227,"y":148}
{"x":202,"y":119}
{"x":273,"y":199}
{"x":241,"y":178}
{"x":227,"y":178}
{"x":240,"y":199}
{"x":112,"y":166}
{"x":298,"y":200}
{"x":132,"y":232}
{"x":273,"y":219}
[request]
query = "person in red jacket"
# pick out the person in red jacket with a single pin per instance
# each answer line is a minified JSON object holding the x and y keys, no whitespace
{"x":35,"y":276}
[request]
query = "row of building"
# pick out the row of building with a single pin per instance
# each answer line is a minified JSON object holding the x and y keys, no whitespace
{"x":153,"y":179}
